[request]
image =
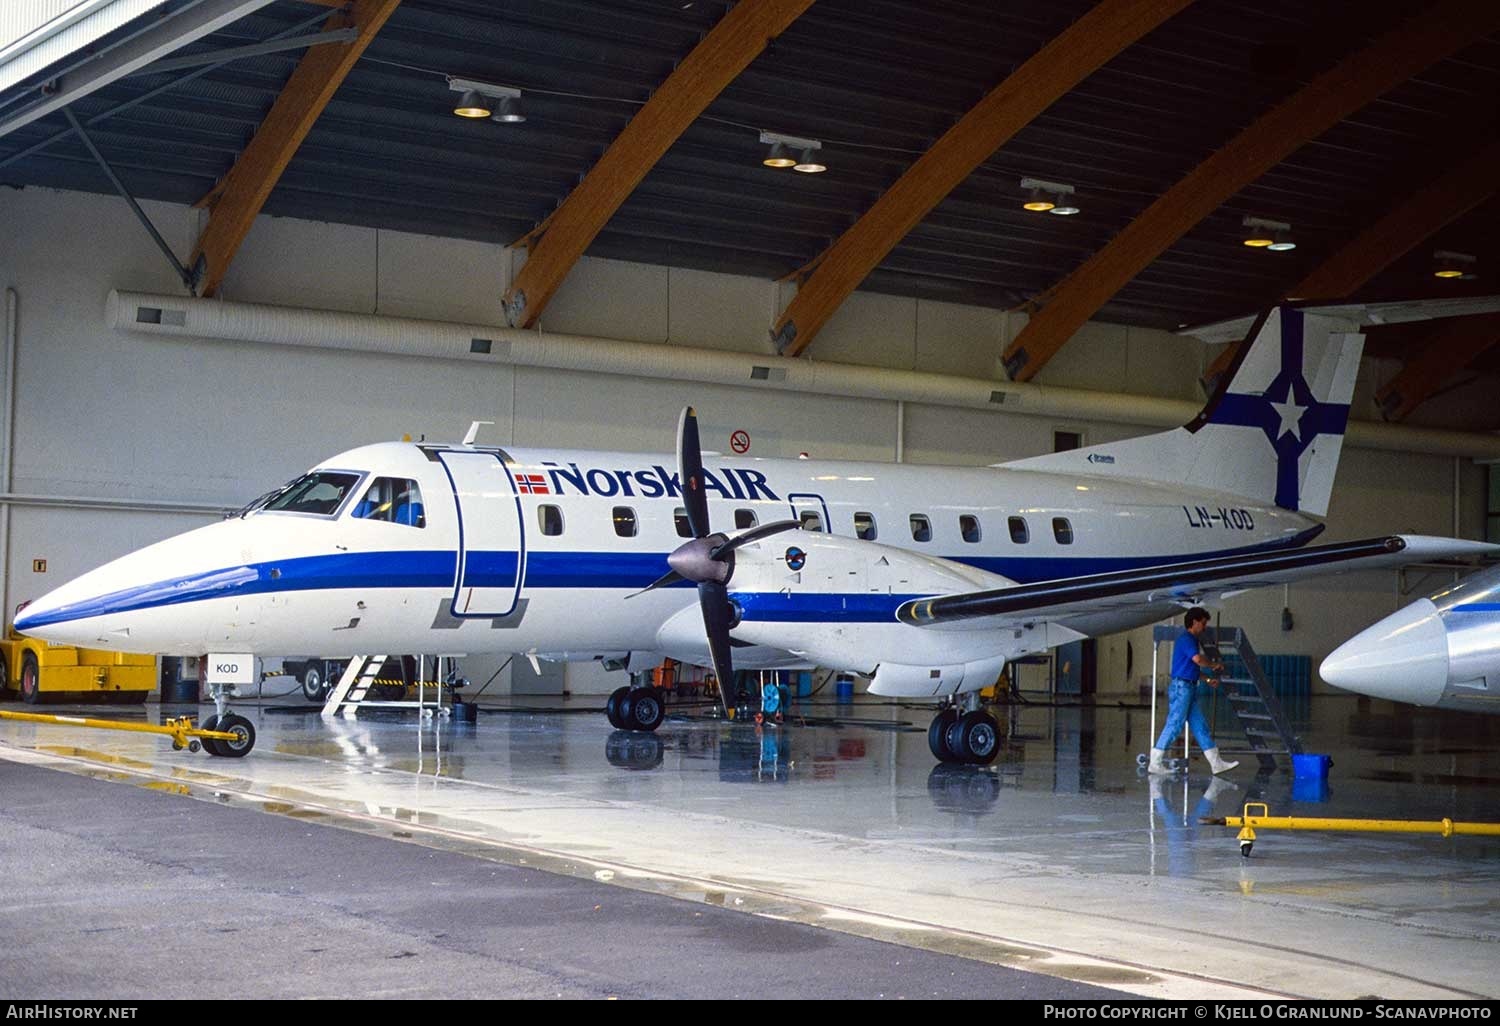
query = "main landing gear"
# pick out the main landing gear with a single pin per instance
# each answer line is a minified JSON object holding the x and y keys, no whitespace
{"x":964,"y":734}
{"x":636,"y":708}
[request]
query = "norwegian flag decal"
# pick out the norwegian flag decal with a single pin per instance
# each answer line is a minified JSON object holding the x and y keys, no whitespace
{"x":532,"y":484}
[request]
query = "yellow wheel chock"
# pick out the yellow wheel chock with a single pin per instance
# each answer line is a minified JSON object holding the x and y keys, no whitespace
{"x":235,"y":739}
{"x":1257,"y":815}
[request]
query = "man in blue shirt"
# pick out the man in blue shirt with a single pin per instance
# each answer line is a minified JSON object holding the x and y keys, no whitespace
{"x":1188,"y":662}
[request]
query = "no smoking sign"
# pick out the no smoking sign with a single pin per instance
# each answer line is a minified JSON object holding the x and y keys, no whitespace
{"x":739,"y":441}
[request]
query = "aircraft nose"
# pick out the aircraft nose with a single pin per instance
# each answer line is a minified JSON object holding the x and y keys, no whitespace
{"x":1403,"y":658}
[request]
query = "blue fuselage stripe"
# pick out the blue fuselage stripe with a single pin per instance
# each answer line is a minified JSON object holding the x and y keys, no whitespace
{"x":618,"y":571}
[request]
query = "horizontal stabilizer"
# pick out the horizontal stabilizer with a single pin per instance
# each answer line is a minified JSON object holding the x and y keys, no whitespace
{"x":1356,"y":315}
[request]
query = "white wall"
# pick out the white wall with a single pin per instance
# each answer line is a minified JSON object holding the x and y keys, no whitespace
{"x":109,"y":414}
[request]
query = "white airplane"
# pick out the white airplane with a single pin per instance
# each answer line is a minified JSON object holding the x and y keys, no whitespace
{"x":1442,"y":651}
{"x":925,"y":579}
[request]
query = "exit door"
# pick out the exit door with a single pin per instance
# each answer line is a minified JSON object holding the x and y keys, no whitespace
{"x":491,"y":538}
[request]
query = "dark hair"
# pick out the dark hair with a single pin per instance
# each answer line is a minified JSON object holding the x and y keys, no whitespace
{"x":1195,"y":615}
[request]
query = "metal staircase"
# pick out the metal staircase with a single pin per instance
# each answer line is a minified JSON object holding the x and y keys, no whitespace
{"x":1253,"y":700}
{"x":362,"y":674}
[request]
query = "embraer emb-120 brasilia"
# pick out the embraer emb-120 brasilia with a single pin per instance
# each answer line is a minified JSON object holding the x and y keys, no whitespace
{"x":924,"y":579}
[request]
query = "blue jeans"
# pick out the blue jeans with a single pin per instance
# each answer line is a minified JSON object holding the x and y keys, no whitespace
{"x":1183,"y":708}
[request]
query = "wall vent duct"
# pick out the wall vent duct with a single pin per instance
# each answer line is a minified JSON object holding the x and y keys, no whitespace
{"x":404,"y":336}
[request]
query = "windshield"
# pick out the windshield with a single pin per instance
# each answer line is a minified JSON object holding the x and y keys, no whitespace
{"x":320,"y":493}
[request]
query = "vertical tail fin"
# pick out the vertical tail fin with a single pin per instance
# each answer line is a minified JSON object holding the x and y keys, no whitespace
{"x":1273,"y":430}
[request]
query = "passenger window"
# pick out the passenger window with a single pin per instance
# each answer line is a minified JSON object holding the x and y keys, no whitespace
{"x":744,"y":519}
{"x":1018,"y":532}
{"x":680,"y":518}
{"x":921,"y":528}
{"x":864,"y":527}
{"x":394,"y":500}
{"x":811,"y":520}
{"x":320,"y":493}
{"x":624,"y":518}
{"x":1062,"y":530}
{"x":551,"y":519}
{"x":968,"y":526}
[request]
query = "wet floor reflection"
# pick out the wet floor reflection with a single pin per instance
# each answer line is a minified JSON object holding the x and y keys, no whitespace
{"x":864,"y":767}
{"x":849,"y":797}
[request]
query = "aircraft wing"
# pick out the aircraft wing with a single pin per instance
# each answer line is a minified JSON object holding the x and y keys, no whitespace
{"x":1187,"y":583}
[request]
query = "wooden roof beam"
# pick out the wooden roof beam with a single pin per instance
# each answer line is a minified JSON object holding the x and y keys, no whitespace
{"x":1437,"y":32}
{"x":1453,"y":194}
{"x":717,"y":60}
{"x":243,"y":192}
{"x":1080,"y":50}
{"x":1454,"y":343}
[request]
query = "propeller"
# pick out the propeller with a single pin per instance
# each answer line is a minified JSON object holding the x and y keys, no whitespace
{"x":708,"y":559}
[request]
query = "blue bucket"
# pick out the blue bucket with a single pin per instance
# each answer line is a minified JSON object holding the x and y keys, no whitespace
{"x":1310,"y":767}
{"x":843,"y":689}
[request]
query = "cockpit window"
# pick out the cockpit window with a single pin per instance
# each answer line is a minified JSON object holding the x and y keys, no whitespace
{"x":394,"y":500}
{"x":320,"y":493}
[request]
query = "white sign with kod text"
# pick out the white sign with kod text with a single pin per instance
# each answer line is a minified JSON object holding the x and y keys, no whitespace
{"x":231,"y":669}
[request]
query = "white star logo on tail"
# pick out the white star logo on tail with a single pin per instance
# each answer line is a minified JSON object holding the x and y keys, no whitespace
{"x":1290,"y":414}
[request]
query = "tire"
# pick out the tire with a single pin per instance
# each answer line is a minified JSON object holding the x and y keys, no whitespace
{"x":4,"y":676}
{"x":314,"y":687}
{"x":31,"y":679}
{"x":937,"y":735}
{"x":646,"y":710}
{"x":612,"y":707}
{"x":240,"y":748}
{"x":210,"y":722}
{"x":980,"y":738}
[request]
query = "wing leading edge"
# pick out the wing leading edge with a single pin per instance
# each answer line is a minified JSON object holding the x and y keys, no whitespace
{"x":1192,"y":582}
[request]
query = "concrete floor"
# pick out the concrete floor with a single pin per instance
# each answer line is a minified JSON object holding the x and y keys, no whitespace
{"x":1058,"y":859}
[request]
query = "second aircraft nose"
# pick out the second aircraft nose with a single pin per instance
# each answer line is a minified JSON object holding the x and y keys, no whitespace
{"x":1403,"y":658}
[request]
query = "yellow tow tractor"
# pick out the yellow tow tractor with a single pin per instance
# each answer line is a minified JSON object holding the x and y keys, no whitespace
{"x":39,"y":669}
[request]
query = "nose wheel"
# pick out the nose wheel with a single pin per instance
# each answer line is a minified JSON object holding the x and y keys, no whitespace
{"x":230,"y":723}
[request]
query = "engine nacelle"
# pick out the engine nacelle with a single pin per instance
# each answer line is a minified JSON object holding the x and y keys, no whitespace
{"x":903,"y":680}
{"x":833,"y":601}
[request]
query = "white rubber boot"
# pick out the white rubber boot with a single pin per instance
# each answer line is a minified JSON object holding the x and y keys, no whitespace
{"x":1158,"y":782}
{"x":1217,"y":764}
{"x":1155,"y":765}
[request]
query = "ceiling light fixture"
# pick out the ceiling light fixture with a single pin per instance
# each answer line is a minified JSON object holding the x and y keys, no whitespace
{"x":783,"y":146}
{"x":779,"y":157}
{"x":1263,"y":234}
{"x":1283,"y":241}
{"x":1454,"y":266}
{"x":486,"y":100}
{"x":1048,"y":196}
{"x":808,"y":163}
{"x":471,"y":105}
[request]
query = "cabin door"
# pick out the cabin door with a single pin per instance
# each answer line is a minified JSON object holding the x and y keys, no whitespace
{"x":491,"y":537}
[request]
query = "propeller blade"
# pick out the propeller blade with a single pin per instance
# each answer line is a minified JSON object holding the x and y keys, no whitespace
{"x":714,"y":600}
{"x":753,"y":534}
{"x":690,"y":470}
{"x":670,"y":577}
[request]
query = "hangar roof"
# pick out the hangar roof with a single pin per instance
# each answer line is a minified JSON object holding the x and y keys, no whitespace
{"x":877,"y":82}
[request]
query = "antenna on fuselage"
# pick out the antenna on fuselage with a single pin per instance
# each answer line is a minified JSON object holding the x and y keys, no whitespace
{"x":473,"y":431}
